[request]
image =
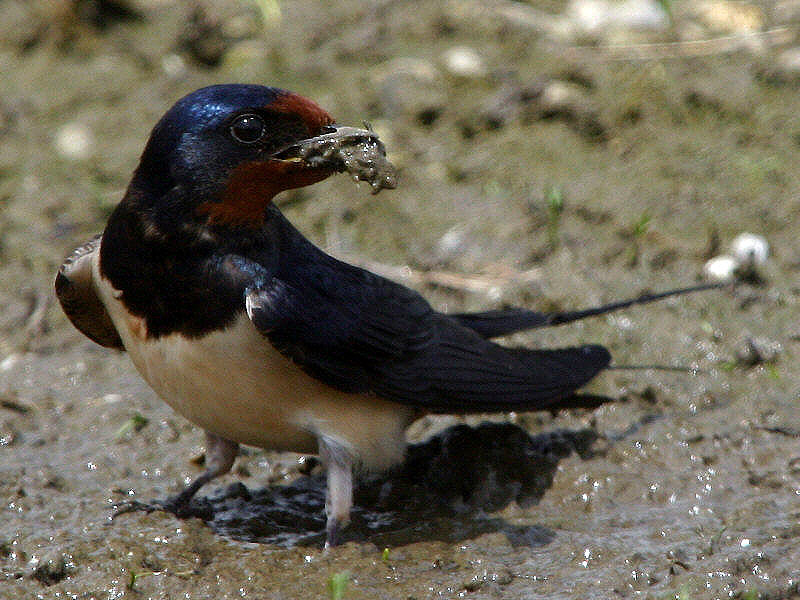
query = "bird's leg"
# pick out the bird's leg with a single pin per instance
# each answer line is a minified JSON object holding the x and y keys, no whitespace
{"x":339,"y":495}
{"x":220,"y":454}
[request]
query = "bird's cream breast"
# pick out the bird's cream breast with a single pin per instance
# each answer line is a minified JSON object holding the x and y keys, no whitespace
{"x":233,"y":383}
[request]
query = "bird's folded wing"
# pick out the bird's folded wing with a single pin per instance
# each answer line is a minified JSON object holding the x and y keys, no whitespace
{"x":75,"y":291}
{"x":359,"y":332}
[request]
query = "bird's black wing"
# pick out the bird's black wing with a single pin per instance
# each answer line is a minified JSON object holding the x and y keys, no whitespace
{"x":359,"y":332}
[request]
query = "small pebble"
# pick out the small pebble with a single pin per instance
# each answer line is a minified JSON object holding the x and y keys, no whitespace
{"x":750,"y":249}
{"x":173,"y":65}
{"x":73,"y":141}
{"x":559,"y":95}
{"x":9,"y":361}
{"x":597,"y":15}
{"x":789,"y":61}
{"x":720,"y":268}
{"x":730,"y":17}
{"x":757,"y":351}
{"x":452,"y":241}
{"x":464,"y":62}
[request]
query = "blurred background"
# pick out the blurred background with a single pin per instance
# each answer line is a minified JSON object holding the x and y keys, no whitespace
{"x":551,"y":154}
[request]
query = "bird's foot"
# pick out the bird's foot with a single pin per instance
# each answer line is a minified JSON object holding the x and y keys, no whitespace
{"x":129,"y":506}
{"x":333,"y":533}
{"x":181,"y":505}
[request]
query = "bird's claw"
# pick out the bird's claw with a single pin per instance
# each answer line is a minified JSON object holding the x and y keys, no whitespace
{"x":334,"y":535}
{"x":179,"y":505}
{"x":129,"y":506}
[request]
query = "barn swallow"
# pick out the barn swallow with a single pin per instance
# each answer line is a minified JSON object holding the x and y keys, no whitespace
{"x":257,"y":336}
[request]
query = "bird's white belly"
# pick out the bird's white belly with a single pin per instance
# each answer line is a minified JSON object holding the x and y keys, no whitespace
{"x":233,"y":383}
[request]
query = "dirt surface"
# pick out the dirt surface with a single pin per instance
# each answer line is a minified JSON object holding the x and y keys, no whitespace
{"x":544,"y":159}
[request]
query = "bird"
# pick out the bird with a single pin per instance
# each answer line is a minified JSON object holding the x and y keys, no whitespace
{"x":257,"y":336}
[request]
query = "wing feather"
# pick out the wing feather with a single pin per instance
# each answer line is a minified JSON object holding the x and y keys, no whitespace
{"x":362,"y":333}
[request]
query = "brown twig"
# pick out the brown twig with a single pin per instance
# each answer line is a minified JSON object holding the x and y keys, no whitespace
{"x":683,"y":49}
{"x":448,"y":279}
{"x":10,"y":404}
{"x":557,"y":27}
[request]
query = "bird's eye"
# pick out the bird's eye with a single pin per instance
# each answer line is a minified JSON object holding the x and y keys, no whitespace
{"x":247,"y":129}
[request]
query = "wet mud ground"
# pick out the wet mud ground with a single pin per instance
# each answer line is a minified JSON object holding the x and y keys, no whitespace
{"x":558,"y":170}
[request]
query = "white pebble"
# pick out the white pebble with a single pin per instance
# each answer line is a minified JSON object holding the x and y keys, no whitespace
{"x":789,"y":61}
{"x":720,"y":268}
{"x":558,"y":94}
{"x":598,"y":15}
{"x":9,"y":361}
{"x":74,"y":141}
{"x":173,"y":65}
{"x":452,"y":241}
{"x":464,"y":62}
{"x":750,"y":249}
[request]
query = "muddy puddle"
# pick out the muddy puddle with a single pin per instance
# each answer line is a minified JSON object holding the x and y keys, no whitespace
{"x":443,"y":489}
{"x":540,"y":162}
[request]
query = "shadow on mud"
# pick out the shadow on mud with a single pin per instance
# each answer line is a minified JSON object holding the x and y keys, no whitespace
{"x":442,"y":492}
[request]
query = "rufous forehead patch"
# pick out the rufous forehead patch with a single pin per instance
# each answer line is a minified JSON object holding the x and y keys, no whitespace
{"x":312,"y":114}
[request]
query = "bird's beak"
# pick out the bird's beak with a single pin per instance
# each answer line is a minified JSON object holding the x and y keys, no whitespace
{"x":340,"y":148}
{"x":320,"y":150}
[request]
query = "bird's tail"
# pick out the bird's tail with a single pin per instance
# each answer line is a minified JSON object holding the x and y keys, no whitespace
{"x":496,"y":323}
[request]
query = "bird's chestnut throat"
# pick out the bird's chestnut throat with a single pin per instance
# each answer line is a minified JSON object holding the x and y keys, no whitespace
{"x":252,"y":185}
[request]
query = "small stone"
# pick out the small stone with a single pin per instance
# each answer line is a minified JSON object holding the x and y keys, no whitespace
{"x":173,"y":65}
{"x":569,"y":102}
{"x":559,"y":94}
{"x":9,"y":362}
{"x":464,"y":62}
{"x":781,"y":69}
{"x":750,"y":249}
{"x":593,"y":16}
{"x":720,"y":268}
{"x":788,"y":61}
{"x":757,"y":351}
{"x":74,"y":141}
{"x":451,"y":243}
{"x":730,"y":17}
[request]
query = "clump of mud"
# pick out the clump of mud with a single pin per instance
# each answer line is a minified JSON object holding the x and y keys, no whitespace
{"x":356,"y":151}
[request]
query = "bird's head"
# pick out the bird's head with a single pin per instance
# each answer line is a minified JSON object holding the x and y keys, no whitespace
{"x":216,"y":155}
